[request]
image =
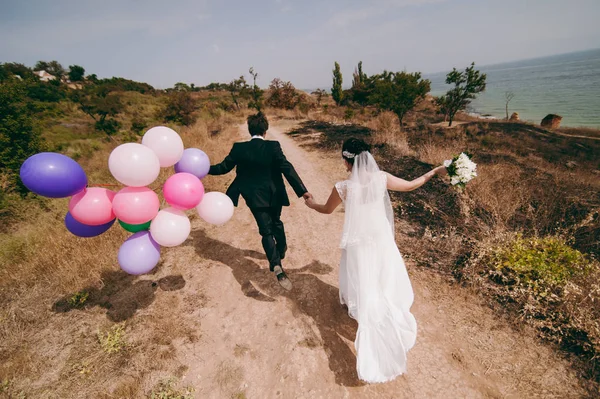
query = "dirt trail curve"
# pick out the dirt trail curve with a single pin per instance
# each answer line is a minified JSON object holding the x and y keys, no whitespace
{"x":260,"y":341}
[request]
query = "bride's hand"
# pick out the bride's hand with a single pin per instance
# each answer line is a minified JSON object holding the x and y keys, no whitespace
{"x":441,"y":171}
{"x":310,"y":202}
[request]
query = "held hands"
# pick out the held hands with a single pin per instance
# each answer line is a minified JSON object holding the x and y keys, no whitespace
{"x":309,"y":200}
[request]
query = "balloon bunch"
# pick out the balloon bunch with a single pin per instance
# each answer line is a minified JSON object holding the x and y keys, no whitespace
{"x":93,"y":210}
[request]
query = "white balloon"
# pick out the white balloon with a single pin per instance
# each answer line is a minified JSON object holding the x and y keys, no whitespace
{"x":215,"y":208}
{"x":134,"y":165}
{"x":165,"y":143}
{"x":171,"y":227}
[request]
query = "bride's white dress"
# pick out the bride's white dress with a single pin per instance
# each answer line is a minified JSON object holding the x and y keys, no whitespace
{"x":374,"y":283}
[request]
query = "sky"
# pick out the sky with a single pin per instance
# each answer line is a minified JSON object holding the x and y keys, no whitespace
{"x":202,"y":41}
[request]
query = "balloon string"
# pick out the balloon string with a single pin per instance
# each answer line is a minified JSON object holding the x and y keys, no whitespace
{"x":115,"y":185}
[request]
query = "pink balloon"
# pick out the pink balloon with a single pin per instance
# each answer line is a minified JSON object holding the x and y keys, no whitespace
{"x":183,"y":191}
{"x":136,"y":205}
{"x":92,"y":206}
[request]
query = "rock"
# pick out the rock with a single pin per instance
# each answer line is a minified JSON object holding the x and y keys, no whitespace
{"x":514,"y":117}
{"x":551,"y":121}
{"x":571,"y":164}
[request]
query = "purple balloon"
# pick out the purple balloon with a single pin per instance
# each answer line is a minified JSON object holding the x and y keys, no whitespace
{"x":193,"y":161}
{"x":139,"y":253}
{"x":53,"y":175}
{"x":84,"y":230}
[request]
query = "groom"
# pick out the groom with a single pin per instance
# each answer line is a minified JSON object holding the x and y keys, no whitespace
{"x":260,"y":164}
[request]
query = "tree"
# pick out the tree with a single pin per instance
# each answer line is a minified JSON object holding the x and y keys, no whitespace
{"x":256,"y":92}
{"x":11,"y":69}
{"x":398,"y":92}
{"x":19,"y":134}
{"x":508,"y":96}
{"x":238,"y":88}
{"x":76,"y":73}
{"x":467,"y":85}
{"x":362,"y":86}
{"x":102,"y":105}
{"x":319,"y":94}
{"x":336,"y":89}
{"x":53,"y":68}
{"x":282,"y":95}
{"x":179,"y":86}
{"x":180,"y":108}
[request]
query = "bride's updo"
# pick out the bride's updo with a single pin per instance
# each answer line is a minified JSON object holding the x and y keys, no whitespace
{"x":352,"y":148}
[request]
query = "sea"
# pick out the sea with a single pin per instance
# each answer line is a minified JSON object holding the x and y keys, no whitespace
{"x":566,"y":84}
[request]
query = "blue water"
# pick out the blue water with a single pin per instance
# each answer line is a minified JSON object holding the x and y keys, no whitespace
{"x":566,"y":84}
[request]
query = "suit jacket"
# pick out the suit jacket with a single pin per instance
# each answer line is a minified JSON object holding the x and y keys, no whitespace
{"x":260,"y":166}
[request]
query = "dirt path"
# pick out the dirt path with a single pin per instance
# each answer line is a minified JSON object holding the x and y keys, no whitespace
{"x":258,"y":341}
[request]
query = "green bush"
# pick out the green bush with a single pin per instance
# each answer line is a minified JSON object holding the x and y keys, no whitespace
{"x":553,"y":287}
{"x":19,"y":134}
{"x":109,"y":126}
{"x":180,"y":108}
{"x":537,"y":261}
{"x":282,"y":95}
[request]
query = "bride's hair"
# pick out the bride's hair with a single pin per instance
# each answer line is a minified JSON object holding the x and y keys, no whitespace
{"x":352,"y":148}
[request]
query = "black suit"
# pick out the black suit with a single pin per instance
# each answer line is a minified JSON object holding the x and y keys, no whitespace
{"x":260,"y":166}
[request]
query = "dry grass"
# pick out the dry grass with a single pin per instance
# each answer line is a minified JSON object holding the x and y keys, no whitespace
{"x":58,"y":347}
{"x":228,"y":376}
{"x":387,"y":130}
{"x":166,"y":390}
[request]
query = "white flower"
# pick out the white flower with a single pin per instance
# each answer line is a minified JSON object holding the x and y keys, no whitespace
{"x":465,"y":170}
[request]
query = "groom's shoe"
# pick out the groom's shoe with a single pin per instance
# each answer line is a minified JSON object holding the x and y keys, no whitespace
{"x":282,"y":278}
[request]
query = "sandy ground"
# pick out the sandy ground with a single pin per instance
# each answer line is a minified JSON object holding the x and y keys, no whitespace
{"x":258,"y":341}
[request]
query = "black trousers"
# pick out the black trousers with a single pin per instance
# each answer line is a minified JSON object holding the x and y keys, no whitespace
{"x":271,"y":229}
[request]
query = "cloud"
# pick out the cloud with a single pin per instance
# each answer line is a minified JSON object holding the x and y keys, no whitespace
{"x":354,"y":15}
{"x":350,"y":16}
{"x":216,"y":48}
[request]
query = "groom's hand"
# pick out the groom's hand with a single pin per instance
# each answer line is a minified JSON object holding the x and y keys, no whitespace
{"x":307,"y":196}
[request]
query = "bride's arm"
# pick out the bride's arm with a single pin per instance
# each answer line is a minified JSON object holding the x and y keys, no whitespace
{"x":397,"y":184}
{"x":333,"y":202}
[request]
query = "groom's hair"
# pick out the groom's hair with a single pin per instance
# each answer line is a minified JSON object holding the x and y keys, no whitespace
{"x":352,"y":148}
{"x":258,"y":124}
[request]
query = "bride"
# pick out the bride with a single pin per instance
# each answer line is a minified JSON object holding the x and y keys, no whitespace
{"x":374,"y":283}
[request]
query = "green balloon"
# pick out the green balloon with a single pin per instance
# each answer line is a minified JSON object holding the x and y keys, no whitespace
{"x":134,"y":228}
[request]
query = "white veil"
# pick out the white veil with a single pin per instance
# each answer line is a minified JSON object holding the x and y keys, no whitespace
{"x":373,"y":278}
{"x":368,"y":208}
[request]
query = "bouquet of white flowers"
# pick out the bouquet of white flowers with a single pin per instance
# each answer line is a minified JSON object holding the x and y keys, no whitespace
{"x":461,"y":170}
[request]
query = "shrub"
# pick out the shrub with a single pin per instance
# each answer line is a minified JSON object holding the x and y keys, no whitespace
{"x":76,"y":73}
{"x":538,"y":262}
{"x":282,"y":95}
{"x":19,"y":134}
{"x":554,"y":287}
{"x":101,"y":104}
{"x":78,"y":299}
{"x":138,"y":123}
{"x":348,"y":114}
{"x":165,"y":389}
{"x":45,"y":91}
{"x":180,"y":108}
{"x":113,"y":340}
{"x":109,"y":126}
